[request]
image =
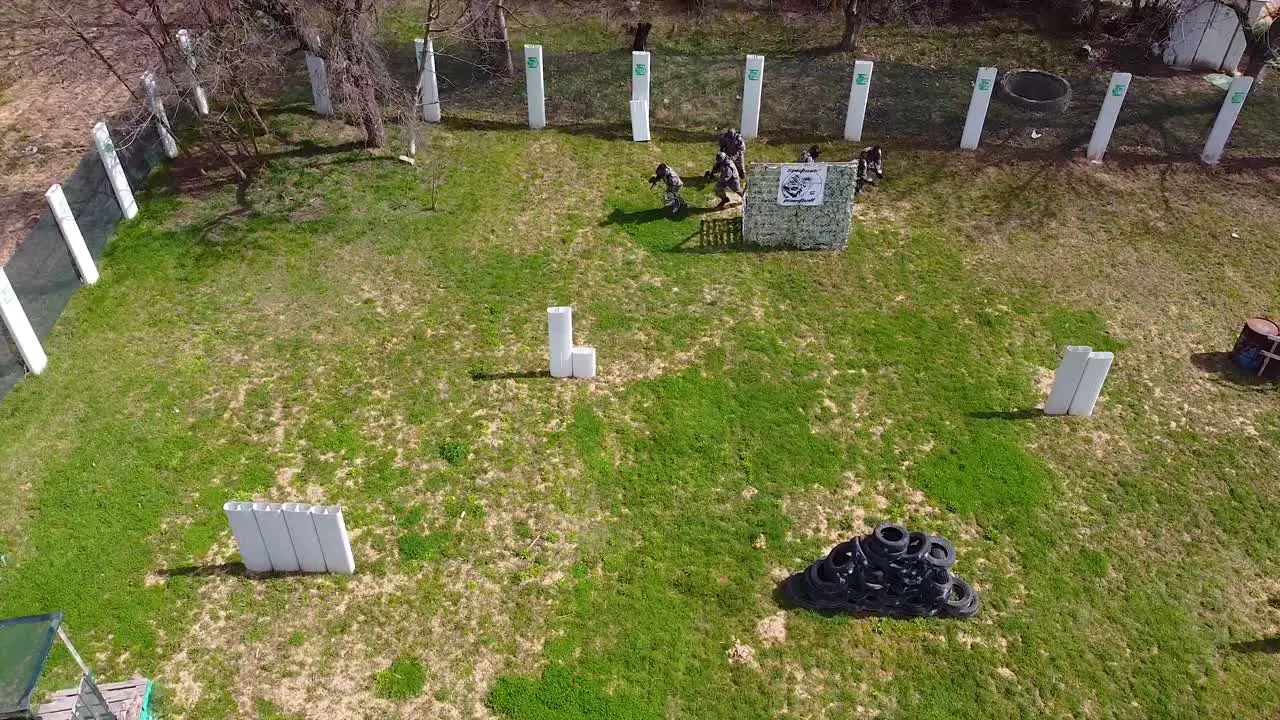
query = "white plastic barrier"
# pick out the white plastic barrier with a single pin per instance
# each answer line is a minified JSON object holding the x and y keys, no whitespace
{"x":1095,"y":374}
{"x":428,"y":85}
{"x":302,"y":533}
{"x":560,"y":333}
{"x":534,"y":88}
{"x":156,"y":107}
{"x":584,"y":362}
{"x":641,"y":71}
{"x":859,"y":91}
{"x":1067,"y":380}
{"x":1226,"y":120}
{"x":188,"y":47}
{"x":115,"y":172}
{"x":275,"y":533}
{"x":15,"y":319}
{"x":752,"y":84}
{"x":334,"y":541}
{"x":983,"y":86}
{"x":253,"y":550}
{"x":640,"y":121}
{"x":71,"y":234}
{"x":319,"y":83}
{"x":1116,"y":92}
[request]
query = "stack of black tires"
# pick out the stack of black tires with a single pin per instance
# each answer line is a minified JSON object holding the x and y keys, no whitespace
{"x":892,"y":571}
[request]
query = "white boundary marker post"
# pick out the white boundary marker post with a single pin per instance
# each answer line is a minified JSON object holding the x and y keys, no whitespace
{"x":15,"y":318}
{"x":188,"y":47}
{"x":584,"y":362}
{"x":858,"y":93}
{"x":253,"y":549}
{"x":156,"y":107}
{"x":1231,"y":106}
{"x":752,"y":83}
{"x":1095,"y":374}
{"x":641,"y":72}
{"x":1107,"y":117}
{"x":640,"y":121}
{"x":115,"y":173}
{"x":71,"y":234}
{"x":534,"y":88}
{"x":560,"y":334}
{"x":428,"y":86}
{"x":331,"y":528}
{"x":983,"y":86}
{"x":275,"y":533}
{"x":1067,"y":379}
{"x":319,"y":83}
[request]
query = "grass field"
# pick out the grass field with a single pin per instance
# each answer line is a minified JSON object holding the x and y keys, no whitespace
{"x":530,"y":548}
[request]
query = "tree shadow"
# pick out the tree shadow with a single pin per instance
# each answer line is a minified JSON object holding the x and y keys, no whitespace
{"x":1270,"y":646}
{"x":482,"y":376}
{"x":1221,"y":364}
{"x":1027,"y":414}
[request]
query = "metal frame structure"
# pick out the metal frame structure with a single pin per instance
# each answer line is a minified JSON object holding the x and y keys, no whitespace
{"x":89,"y":705}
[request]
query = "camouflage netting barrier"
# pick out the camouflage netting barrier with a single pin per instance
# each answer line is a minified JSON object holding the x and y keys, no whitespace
{"x":768,"y":223}
{"x":41,"y":270}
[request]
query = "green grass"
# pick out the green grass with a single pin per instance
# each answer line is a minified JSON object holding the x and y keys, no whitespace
{"x":567,"y":549}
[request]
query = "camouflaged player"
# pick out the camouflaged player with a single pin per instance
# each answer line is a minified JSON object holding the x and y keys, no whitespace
{"x":673,"y":182}
{"x":727,"y":178}
{"x":735,"y":146}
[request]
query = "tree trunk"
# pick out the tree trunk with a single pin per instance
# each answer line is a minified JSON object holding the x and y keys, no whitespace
{"x":503,"y":39}
{"x":853,"y":25}
{"x":356,"y":78}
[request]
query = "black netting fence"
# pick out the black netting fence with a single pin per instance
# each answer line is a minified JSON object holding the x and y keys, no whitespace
{"x":41,"y":270}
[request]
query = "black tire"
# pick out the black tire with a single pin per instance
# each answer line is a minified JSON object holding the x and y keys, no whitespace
{"x":962,"y":601}
{"x":938,"y":584}
{"x":820,"y":587}
{"x":843,"y":559}
{"x":941,"y":553}
{"x":890,"y":539}
{"x":918,"y":544}
{"x":1035,"y":90}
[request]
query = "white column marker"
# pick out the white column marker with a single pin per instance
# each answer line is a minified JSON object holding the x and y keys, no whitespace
{"x":71,"y":234}
{"x":253,"y":549}
{"x":1231,"y":106}
{"x":334,"y":540}
{"x":115,"y":172}
{"x":859,"y":91}
{"x":584,"y":362}
{"x":1067,"y":379}
{"x":15,"y":319}
{"x":640,"y":121}
{"x":1095,"y":374}
{"x":983,"y":86}
{"x":752,"y":84}
{"x":560,"y":334}
{"x":534,"y":88}
{"x":188,"y":47}
{"x":1107,"y":117}
{"x":641,"y":71}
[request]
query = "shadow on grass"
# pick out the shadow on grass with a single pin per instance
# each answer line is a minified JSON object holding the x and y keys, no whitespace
{"x":1027,"y":414}
{"x":480,"y":375}
{"x":619,"y":216}
{"x":1221,"y":364}
{"x":1270,"y":646}
{"x":223,"y":570}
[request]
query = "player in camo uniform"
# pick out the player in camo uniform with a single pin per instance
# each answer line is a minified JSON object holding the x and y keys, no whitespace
{"x":870,"y":162}
{"x":810,"y":155}
{"x":672,"y":197}
{"x":735,"y":146}
{"x":727,"y":178}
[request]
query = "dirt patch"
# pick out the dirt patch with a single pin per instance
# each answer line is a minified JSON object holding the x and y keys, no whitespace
{"x":772,"y":630}
{"x":741,"y":654}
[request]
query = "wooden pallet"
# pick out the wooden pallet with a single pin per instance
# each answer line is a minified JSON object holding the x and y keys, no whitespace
{"x":129,"y":700}
{"x":720,"y":232}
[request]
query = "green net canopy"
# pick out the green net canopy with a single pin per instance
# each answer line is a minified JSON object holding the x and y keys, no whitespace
{"x":25,"y":644}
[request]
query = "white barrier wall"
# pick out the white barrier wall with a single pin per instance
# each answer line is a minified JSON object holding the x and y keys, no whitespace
{"x":1067,"y":380}
{"x":275,"y":533}
{"x":156,"y":107}
{"x":15,"y":319}
{"x":560,"y":333}
{"x":640,"y":121}
{"x":428,"y":86}
{"x":253,"y":550}
{"x":319,"y":84}
{"x":752,"y":89}
{"x":1107,"y":116}
{"x":859,"y":91}
{"x":584,"y":362}
{"x":641,"y":72}
{"x":1226,"y":120}
{"x":334,"y":541}
{"x":188,"y":47}
{"x":115,"y":172}
{"x":302,"y":533}
{"x":71,"y":234}
{"x":983,"y":86}
{"x":534,"y":88}
{"x":1095,"y":374}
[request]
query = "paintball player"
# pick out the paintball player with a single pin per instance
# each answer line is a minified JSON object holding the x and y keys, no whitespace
{"x":870,"y":163}
{"x":727,"y":178}
{"x":810,"y":155}
{"x":735,"y":146}
{"x":672,"y":197}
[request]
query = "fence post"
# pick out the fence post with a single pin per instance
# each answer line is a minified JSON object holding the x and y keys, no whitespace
{"x":752,"y":82}
{"x":428,"y":88}
{"x":71,"y":234}
{"x":20,"y":328}
{"x":1106,"y":124}
{"x":534,"y":87}
{"x":1221,"y":132}
{"x":858,"y":93}
{"x":319,"y":83}
{"x":978,"y":104}
{"x":641,"y":71}
{"x":162,"y":118}
{"x":115,"y":173}
{"x":188,"y":47}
